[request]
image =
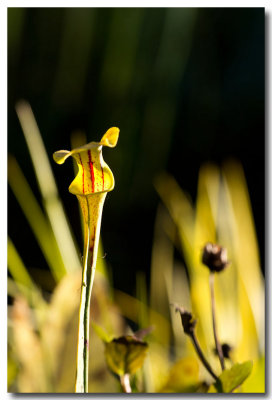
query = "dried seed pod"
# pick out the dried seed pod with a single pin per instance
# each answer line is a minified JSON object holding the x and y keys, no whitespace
{"x":187,"y":320}
{"x":215,"y":257}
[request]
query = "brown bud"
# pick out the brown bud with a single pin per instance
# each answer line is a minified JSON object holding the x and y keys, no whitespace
{"x":187,"y":320}
{"x":215,"y":257}
{"x":226,"y":349}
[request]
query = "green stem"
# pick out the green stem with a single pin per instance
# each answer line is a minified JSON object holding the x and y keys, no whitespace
{"x":125,"y":383}
{"x":88,"y":273}
{"x":217,"y":342}
{"x":92,"y":210}
{"x":83,"y":334}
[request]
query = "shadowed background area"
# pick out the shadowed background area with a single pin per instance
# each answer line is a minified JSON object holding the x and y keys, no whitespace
{"x":183,"y":85}
{"x":186,"y":88}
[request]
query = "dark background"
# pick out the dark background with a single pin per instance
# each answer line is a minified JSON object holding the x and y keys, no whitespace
{"x":184,"y":86}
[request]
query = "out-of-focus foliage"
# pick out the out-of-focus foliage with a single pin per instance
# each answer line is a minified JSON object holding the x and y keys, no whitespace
{"x":43,"y":326}
{"x":222,"y":215}
{"x":183,"y":377}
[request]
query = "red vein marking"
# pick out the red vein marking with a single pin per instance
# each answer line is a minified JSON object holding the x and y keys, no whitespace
{"x":91,"y":169}
{"x":102,"y":173}
{"x":82,"y":173}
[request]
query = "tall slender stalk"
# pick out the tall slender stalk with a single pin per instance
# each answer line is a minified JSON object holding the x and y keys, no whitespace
{"x":83,"y":336}
{"x":217,"y":342}
{"x":201,"y":355}
{"x":92,"y":211}
{"x":189,"y":324}
{"x":84,"y":312}
{"x":91,"y":184}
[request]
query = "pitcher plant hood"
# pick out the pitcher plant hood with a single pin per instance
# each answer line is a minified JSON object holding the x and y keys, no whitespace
{"x":94,"y":175}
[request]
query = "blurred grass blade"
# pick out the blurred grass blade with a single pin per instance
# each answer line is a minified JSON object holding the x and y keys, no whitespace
{"x":22,"y":284}
{"x":101,"y":333}
{"x":183,"y":376}
{"x":256,"y":381}
{"x":48,"y":188}
{"x":22,"y":279}
{"x":180,"y":209}
{"x":130,"y":308}
{"x":204,"y":231}
{"x":17,"y":268}
{"x":180,"y":294}
{"x":246,"y":245}
{"x":35,"y":218}
{"x":237,"y":319}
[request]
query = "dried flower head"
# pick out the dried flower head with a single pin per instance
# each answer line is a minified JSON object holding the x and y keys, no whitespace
{"x":215,"y":257}
{"x":226,"y":349}
{"x":187,"y":320}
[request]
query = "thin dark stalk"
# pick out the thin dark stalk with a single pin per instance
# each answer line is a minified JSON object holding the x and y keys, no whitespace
{"x":201,"y":355}
{"x":125,"y":383}
{"x":217,"y":343}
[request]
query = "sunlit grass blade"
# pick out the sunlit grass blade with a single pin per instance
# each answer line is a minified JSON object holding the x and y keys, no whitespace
{"x":130,"y":308}
{"x":48,"y":188}
{"x":36,"y":218}
{"x":180,"y":209}
{"x":22,"y":279}
{"x":17,"y":268}
{"x":180,"y":294}
{"x":256,"y":381}
{"x":249,"y":279}
{"x":204,"y":231}
{"x":192,"y":238}
{"x":246,"y":246}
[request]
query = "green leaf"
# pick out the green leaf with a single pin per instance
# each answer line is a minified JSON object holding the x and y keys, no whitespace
{"x":230,"y":379}
{"x":125,"y":355}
